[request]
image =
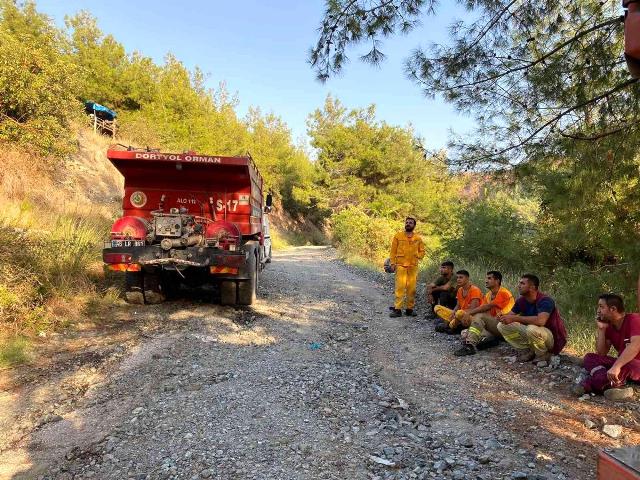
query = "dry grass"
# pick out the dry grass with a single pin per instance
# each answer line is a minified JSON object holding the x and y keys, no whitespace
{"x":13,"y":350}
{"x":54,"y":214}
{"x":287,"y":231}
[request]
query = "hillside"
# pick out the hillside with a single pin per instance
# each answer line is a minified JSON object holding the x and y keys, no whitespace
{"x":54,"y":214}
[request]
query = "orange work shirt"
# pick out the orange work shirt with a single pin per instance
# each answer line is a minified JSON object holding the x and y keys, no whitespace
{"x":504,"y":301}
{"x":464,"y":300}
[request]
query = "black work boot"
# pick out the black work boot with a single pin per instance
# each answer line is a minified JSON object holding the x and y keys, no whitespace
{"x":441,"y":326}
{"x":410,"y":313}
{"x":396,"y":313}
{"x":464,"y":350}
{"x":488,"y":343}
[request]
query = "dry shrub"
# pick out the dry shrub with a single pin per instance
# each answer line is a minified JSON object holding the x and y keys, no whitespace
{"x":20,"y":175}
{"x":54,"y":214}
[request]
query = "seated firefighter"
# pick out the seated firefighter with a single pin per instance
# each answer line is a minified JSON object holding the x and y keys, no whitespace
{"x":407,"y":248}
{"x":442,"y":291}
{"x":621,"y":330}
{"x":468,"y":297}
{"x":534,"y":326}
{"x":483,"y":332}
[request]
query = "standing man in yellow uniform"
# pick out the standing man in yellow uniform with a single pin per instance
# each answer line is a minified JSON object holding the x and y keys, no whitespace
{"x":407,"y":248}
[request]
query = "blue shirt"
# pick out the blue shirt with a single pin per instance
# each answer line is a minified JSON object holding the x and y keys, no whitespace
{"x":546,"y":304}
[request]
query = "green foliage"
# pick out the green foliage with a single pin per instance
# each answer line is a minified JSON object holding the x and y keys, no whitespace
{"x":101,"y":62}
{"x":357,"y":233}
{"x":371,"y":175}
{"x":499,"y":228}
{"x":531,"y":73}
{"x":550,"y":92}
{"x":589,"y":205}
{"x":37,"y":81}
{"x":286,"y":168}
{"x":13,"y":351}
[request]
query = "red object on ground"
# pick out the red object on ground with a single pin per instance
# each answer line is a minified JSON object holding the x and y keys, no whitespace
{"x":619,"y":464}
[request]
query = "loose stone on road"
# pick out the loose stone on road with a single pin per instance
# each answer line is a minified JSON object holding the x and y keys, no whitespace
{"x":313,"y":382}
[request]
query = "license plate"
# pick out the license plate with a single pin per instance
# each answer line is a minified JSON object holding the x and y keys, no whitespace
{"x":127,"y":243}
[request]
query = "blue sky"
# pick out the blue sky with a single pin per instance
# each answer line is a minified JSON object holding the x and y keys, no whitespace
{"x":259,"y":49}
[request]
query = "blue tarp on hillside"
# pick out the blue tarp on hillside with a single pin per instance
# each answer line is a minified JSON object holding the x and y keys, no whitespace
{"x":100,"y":111}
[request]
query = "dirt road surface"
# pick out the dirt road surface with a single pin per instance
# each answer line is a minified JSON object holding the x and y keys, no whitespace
{"x":314,"y":382}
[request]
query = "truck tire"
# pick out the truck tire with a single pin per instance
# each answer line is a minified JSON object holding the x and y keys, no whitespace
{"x":152,"y":290}
{"x":228,"y":292}
{"x":133,"y":288}
{"x":247,"y":289}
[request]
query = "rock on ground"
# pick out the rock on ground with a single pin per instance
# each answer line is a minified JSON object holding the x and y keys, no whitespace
{"x":313,"y":382}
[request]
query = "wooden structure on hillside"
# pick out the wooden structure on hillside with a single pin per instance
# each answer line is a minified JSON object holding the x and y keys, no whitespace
{"x":102,"y":118}
{"x":106,"y":127}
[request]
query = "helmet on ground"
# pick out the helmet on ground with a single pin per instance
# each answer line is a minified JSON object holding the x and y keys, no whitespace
{"x":387,"y":266}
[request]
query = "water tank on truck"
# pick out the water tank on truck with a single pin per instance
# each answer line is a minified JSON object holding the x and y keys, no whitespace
{"x":189,"y":219}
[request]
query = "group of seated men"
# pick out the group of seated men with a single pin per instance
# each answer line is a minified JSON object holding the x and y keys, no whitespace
{"x":533,"y":326}
{"x":531,"y":323}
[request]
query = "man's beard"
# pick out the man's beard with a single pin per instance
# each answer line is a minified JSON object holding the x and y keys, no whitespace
{"x":408,"y":229}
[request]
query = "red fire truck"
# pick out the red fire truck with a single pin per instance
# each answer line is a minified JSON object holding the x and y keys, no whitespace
{"x":192,"y":219}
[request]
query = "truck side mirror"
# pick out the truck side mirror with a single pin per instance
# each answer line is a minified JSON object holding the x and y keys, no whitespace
{"x":268,"y":203}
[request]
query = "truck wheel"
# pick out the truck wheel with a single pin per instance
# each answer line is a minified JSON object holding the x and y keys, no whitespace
{"x":152,"y":291}
{"x":133,"y":287}
{"x":228,"y":292}
{"x":247,"y":289}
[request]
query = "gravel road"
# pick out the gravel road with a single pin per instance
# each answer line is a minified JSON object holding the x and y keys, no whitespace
{"x":313,"y":382}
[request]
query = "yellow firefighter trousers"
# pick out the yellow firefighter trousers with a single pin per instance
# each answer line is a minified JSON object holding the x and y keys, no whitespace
{"x":406,"y":278}
{"x":482,"y":326}
{"x":538,"y":339}
{"x":444,"y":313}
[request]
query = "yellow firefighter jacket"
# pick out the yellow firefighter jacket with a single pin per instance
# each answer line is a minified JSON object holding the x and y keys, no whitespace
{"x":406,"y":251}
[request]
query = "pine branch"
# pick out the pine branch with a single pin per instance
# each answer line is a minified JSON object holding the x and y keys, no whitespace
{"x":600,"y":135}
{"x":487,"y":28}
{"x":538,"y":60}
{"x":555,"y":119}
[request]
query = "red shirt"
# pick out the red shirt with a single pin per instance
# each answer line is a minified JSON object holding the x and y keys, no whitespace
{"x":620,"y":338}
